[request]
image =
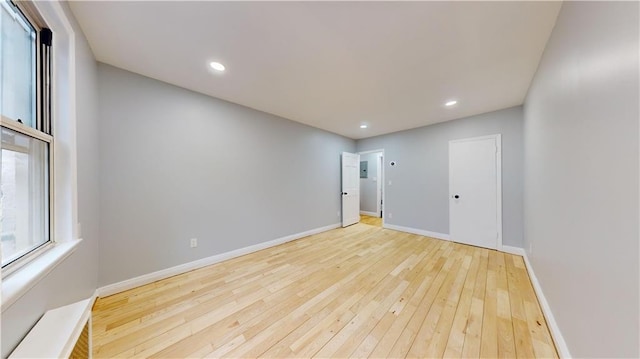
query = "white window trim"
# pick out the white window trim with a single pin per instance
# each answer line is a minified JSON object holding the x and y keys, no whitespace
{"x":26,"y":130}
{"x":20,"y":282}
{"x":41,"y":248}
{"x":26,"y":258}
{"x":64,"y":177}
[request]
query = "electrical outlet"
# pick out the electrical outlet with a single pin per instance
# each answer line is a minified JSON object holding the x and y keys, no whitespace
{"x":390,"y":215}
{"x":390,"y":183}
{"x":338,"y":214}
{"x":194,"y":242}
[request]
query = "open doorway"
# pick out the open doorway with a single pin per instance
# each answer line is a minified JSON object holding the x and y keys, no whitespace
{"x":371,"y":187}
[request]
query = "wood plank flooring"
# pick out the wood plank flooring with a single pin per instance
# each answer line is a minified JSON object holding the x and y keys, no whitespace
{"x":373,"y":221}
{"x":360,"y":291}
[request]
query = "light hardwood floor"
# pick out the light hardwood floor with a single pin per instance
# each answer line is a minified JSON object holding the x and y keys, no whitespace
{"x":373,"y":221}
{"x":360,"y":291}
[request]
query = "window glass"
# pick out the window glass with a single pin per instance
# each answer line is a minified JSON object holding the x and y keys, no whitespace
{"x":24,"y":189}
{"x":17,"y":66}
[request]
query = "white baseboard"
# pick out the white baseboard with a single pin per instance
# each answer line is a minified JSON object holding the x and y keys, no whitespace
{"x":186,"y":267}
{"x":513,"y":250}
{"x":420,"y":232}
{"x":561,"y":345}
{"x":446,"y":237}
{"x":372,"y":214}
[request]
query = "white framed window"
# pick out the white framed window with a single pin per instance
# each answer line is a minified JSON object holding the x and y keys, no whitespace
{"x":26,"y":139}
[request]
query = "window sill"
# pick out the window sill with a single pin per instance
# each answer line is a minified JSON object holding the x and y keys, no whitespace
{"x":20,"y":282}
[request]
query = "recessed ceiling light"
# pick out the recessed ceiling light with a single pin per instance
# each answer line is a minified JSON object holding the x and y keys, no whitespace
{"x":451,"y":103}
{"x":363,"y":126}
{"x":217,"y":66}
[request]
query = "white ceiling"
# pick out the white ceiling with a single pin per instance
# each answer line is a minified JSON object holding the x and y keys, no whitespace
{"x":332,"y":65}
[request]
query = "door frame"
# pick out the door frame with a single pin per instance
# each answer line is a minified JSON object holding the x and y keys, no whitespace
{"x":498,"y":141}
{"x":379,"y":189}
{"x":342,"y":190}
{"x":380,"y":186}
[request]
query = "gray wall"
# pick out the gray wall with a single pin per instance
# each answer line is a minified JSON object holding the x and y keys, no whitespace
{"x":369,"y":185}
{"x":75,"y":278}
{"x":180,"y":165}
{"x":419,"y":194}
{"x":581,"y":190}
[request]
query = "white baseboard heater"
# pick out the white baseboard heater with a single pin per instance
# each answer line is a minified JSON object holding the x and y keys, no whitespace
{"x":63,"y":332}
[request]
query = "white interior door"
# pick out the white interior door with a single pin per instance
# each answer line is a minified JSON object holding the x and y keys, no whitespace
{"x":350,"y":188}
{"x":475,"y":191}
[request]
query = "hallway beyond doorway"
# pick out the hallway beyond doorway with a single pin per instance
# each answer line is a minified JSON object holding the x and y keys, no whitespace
{"x":372,"y":221}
